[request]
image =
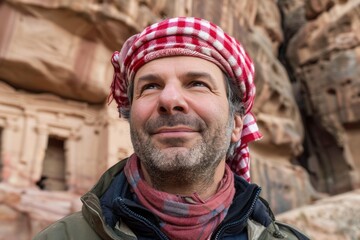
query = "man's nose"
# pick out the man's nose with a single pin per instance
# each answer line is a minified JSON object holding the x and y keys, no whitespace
{"x":172,"y":100}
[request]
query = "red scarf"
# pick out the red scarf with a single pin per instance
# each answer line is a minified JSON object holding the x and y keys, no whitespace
{"x":182,"y":217}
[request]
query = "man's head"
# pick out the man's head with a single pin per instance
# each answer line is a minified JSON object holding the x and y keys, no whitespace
{"x":172,"y":132}
{"x":200,"y":41}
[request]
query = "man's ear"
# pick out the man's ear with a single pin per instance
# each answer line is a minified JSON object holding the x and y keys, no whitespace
{"x":238,"y":126}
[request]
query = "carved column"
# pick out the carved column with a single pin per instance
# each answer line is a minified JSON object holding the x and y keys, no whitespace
{"x":71,"y":148}
{"x":11,"y":149}
{"x":28,"y":146}
{"x":42,"y":141}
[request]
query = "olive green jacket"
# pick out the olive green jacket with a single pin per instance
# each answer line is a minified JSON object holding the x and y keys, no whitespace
{"x":89,"y":224}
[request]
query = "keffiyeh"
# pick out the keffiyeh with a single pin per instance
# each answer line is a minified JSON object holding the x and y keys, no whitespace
{"x":189,"y":36}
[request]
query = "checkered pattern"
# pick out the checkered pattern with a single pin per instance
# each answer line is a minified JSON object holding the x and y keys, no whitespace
{"x":177,"y":214}
{"x":188,"y":36}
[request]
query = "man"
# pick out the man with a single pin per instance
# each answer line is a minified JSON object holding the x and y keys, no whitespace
{"x":187,"y":89}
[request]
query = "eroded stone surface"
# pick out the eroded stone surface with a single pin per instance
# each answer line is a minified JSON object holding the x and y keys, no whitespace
{"x":324,"y":56}
{"x":335,"y":218}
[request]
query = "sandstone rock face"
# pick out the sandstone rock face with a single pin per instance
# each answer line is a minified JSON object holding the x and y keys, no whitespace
{"x":60,"y":47}
{"x":58,"y":135}
{"x":324,"y":58}
{"x":335,"y":218}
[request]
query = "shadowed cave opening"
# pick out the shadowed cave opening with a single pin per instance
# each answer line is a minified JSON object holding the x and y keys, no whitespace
{"x":324,"y":160}
{"x":54,"y":167}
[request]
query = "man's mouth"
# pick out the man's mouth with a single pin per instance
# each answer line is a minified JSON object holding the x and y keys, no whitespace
{"x":174,"y":129}
{"x":174,"y":126}
{"x":174,"y":132}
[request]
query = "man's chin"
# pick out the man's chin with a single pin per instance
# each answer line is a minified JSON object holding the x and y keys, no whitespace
{"x":174,"y":153}
{"x":174,"y":158}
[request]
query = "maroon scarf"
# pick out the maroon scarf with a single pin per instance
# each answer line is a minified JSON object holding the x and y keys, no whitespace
{"x":182,"y":217}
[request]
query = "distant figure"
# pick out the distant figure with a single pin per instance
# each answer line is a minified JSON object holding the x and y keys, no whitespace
{"x":41,"y":183}
{"x":187,"y":89}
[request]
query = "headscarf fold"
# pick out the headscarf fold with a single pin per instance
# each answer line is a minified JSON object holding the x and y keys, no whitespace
{"x":189,"y":36}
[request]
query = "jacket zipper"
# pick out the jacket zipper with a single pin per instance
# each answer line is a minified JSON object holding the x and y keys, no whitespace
{"x":143,"y":220}
{"x":227,"y":225}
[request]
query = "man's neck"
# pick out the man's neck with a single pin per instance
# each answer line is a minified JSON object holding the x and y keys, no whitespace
{"x":174,"y":183}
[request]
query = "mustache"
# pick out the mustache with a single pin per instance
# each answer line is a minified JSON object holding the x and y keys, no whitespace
{"x":174,"y":120}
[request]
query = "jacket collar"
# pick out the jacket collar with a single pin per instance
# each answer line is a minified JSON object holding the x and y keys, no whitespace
{"x":245,"y":206}
{"x":92,"y":211}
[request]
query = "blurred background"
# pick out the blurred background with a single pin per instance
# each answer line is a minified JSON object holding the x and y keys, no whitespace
{"x":58,"y":133}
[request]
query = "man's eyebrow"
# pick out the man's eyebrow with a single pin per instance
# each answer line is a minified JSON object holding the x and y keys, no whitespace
{"x":200,"y":75}
{"x":149,"y":77}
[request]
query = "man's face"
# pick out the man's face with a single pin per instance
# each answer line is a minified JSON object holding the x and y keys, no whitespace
{"x":179,"y":116}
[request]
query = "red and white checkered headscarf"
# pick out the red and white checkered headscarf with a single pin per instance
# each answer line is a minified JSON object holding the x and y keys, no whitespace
{"x":188,"y":36}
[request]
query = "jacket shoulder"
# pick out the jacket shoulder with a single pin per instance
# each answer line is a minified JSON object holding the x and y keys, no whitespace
{"x":290,"y":232}
{"x":73,"y":226}
{"x":277,"y":230}
{"x":274,"y":230}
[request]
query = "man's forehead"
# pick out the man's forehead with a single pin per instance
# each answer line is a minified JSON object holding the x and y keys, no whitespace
{"x":183,"y":65}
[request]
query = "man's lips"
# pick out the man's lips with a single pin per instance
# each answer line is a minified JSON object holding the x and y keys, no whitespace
{"x":176,"y":131}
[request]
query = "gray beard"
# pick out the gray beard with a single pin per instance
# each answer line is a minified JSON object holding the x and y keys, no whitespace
{"x":182,"y":167}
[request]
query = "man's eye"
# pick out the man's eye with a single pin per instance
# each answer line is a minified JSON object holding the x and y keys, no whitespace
{"x":198,"y":84}
{"x":149,"y":87}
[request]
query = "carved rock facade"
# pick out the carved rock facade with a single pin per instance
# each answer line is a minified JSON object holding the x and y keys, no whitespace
{"x":53,"y":150}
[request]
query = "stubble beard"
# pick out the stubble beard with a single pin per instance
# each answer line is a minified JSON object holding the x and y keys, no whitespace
{"x":182,"y":166}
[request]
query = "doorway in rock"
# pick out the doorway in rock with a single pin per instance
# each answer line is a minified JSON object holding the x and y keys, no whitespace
{"x":53,"y":177}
